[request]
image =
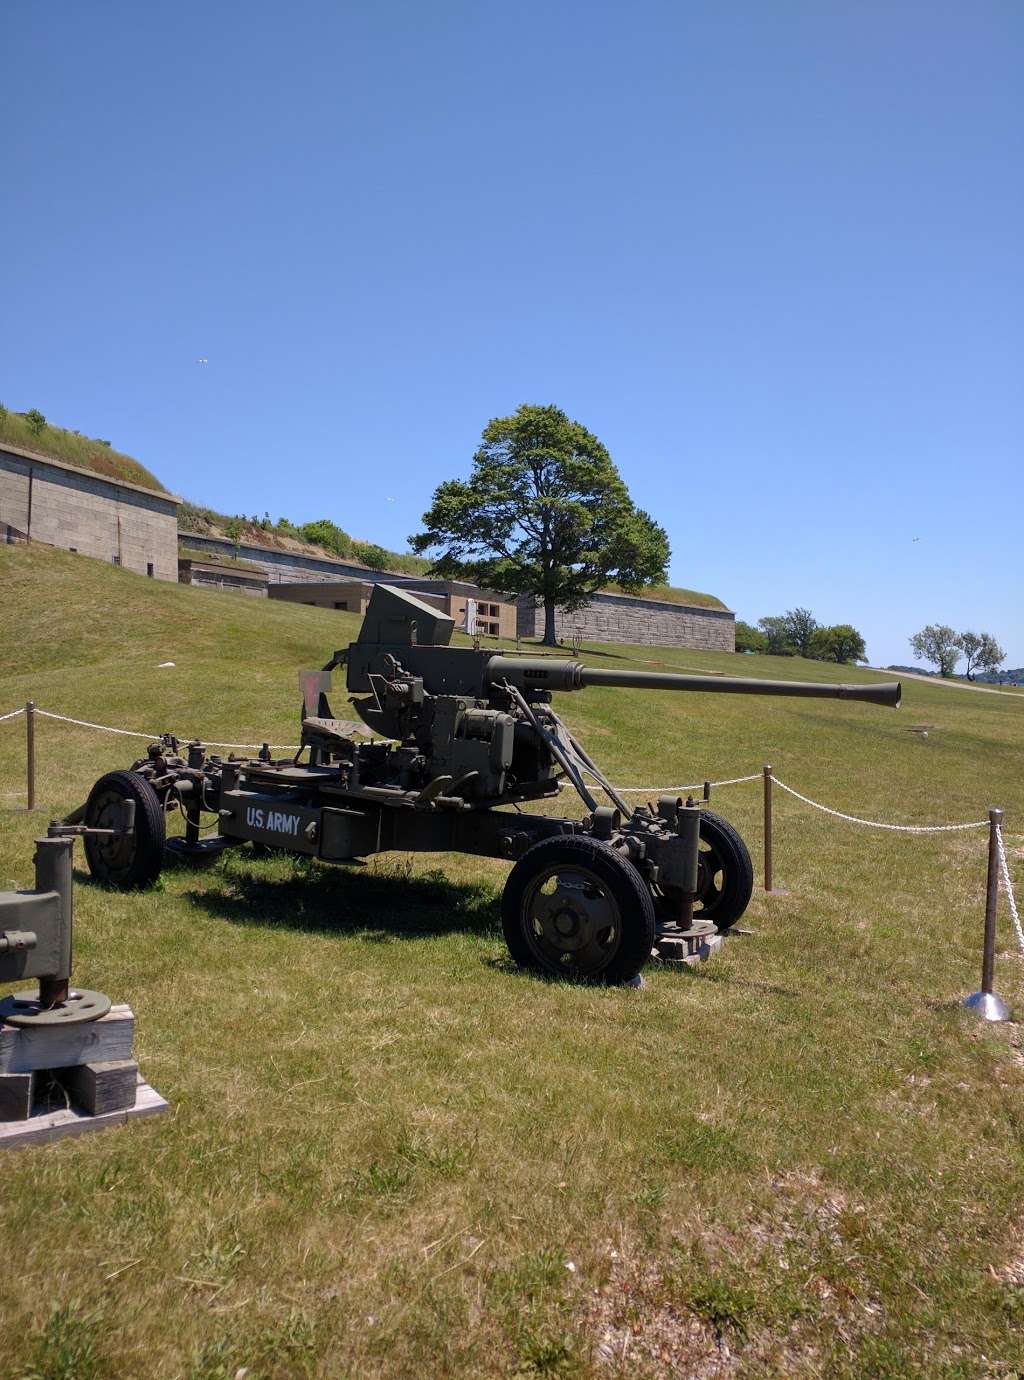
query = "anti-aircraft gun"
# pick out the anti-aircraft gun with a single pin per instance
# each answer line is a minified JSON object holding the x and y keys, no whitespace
{"x":447,"y":735}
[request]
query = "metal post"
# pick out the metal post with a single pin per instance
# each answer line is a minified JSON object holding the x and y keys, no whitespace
{"x":30,"y":752}
{"x":53,"y":861}
{"x":986,"y":1003}
{"x":767,"y":772}
{"x":707,"y":790}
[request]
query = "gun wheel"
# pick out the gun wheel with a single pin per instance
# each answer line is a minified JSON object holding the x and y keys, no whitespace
{"x":135,"y":859}
{"x":575,"y":908}
{"x":725,"y":876}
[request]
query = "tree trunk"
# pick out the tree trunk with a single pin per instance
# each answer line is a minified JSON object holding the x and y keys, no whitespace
{"x":549,"y":639}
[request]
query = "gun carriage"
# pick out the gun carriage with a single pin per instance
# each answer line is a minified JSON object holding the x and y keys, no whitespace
{"x":460,"y":739}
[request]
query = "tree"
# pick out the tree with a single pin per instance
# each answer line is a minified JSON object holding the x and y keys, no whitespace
{"x":802,"y":626}
{"x":749,"y":639}
{"x":36,"y":421}
{"x":543,"y":513}
{"x":841,"y":643}
{"x":982,"y":651}
{"x":776,"y":631}
{"x":938,"y":644}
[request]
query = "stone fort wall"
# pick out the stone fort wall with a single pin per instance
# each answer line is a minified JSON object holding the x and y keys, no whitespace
{"x":646,"y":622}
{"x":48,"y":501}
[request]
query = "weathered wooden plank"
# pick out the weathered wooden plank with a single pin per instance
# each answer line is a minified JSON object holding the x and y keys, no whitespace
{"x":102,"y":1086}
{"x":16,"y":1092}
{"x":70,"y":1121}
{"x":24,"y":1048}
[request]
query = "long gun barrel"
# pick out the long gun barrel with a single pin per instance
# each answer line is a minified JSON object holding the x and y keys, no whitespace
{"x":553,"y":673}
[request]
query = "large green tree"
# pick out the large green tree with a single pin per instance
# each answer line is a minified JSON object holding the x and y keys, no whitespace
{"x":841,"y":643}
{"x":982,"y":651}
{"x":939,"y":644}
{"x":544,"y":513}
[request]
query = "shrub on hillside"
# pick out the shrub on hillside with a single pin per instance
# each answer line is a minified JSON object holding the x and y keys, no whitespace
{"x":36,"y":421}
{"x":327,"y":534}
{"x":750,"y":639}
{"x":371,"y":554}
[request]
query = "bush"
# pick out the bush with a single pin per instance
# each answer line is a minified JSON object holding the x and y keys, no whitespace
{"x":372,"y":555}
{"x":327,"y":534}
{"x":36,"y":421}
{"x":750,"y":639}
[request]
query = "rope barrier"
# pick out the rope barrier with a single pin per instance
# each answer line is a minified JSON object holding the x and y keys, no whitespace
{"x":1011,"y":900}
{"x":877,"y":824}
{"x":679,"y":790}
{"x":623,"y":790}
{"x":152,"y":737}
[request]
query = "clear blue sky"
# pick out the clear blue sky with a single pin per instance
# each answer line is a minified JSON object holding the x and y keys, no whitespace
{"x":771,"y":253}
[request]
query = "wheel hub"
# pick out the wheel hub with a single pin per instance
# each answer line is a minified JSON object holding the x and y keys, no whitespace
{"x":572,"y":917}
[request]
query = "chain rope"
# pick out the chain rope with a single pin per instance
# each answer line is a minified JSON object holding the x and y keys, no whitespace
{"x":12,"y":715}
{"x":1011,"y":900}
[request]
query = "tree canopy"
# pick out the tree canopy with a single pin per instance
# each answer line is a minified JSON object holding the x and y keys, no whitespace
{"x":982,"y":651}
{"x":939,"y":644}
{"x":545,"y":513}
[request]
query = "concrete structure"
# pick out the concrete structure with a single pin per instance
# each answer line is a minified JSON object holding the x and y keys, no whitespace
{"x":282,"y":565}
{"x":609,"y":618}
{"x":222,"y":575}
{"x":350,"y":596}
{"x":474,"y":610}
{"x":628,"y":618}
{"x":49,"y":501}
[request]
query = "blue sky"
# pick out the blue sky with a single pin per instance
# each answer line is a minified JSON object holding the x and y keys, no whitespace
{"x":769,"y":253}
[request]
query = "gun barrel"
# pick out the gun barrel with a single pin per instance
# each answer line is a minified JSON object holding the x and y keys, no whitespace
{"x":553,"y":673}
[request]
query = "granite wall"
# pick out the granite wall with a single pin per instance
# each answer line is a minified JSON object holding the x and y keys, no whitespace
{"x":61,"y":505}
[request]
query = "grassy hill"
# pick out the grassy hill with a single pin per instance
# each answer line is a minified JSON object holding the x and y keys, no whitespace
{"x":46,"y":439}
{"x":391,"y":1153}
{"x":674,"y":594}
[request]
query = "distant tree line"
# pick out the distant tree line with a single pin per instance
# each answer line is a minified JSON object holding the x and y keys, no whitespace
{"x":798,"y":633}
{"x":943,"y":646}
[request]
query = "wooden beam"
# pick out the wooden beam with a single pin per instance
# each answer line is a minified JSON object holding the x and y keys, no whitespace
{"x":102,"y":1086}
{"x":48,"y":1126}
{"x":16,"y":1092}
{"x":25,"y":1048}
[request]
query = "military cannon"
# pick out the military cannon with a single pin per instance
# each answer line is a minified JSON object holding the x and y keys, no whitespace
{"x":455,"y":732}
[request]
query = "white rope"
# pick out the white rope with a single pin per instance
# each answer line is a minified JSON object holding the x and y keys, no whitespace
{"x":876,"y":824}
{"x":679,"y":790}
{"x":153,"y":737}
{"x":1008,"y":885}
{"x":12,"y":715}
{"x":103,"y":728}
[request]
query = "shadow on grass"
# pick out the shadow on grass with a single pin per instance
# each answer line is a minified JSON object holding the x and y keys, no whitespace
{"x":383,"y":907}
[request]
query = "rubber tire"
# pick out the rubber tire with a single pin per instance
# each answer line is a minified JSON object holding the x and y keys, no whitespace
{"x":147,"y":857}
{"x":738,"y":869}
{"x":627,"y":888}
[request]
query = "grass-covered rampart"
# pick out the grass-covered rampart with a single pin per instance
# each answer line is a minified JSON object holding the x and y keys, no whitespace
{"x":31,"y":431}
{"x":392,"y":1154}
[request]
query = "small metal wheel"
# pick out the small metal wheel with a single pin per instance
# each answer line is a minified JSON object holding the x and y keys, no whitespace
{"x":725,"y":876}
{"x":135,"y":859}
{"x":574,"y":907}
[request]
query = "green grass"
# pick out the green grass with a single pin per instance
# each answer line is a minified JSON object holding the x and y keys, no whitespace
{"x":75,"y":449}
{"x":215,"y":558}
{"x":673,"y":594}
{"x":387,"y":1146}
